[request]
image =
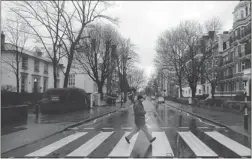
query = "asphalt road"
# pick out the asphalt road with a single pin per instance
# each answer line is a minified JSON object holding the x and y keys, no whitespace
{"x":178,"y":135}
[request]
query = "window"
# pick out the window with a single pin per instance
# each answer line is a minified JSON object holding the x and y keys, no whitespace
{"x":242,"y":49}
{"x":46,"y":67}
{"x":242,"y":14}
{"x":24,"y":62}
{"x":57,"y":71}
{"x":237,"y":67}
{"x":23,"y":83}
{"x":239,"y":50}
{"x":243,"y":65}
{"x":236,"y":33}
{"x":71,"y":82}
{"x":36,"y":65}
{"x":45,"y":85}
{"x":246,"y":10}
{"x":224,"y":46}
{"x":199,"y":91}
{"x":236,"y":52}
{"x":242,"y":31}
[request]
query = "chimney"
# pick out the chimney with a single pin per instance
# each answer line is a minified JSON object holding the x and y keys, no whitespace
{"x":211,"y":34}
{"x":2,"y":40}
{"x":225,"y":32}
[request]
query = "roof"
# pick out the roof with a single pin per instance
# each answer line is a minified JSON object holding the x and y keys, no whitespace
{"x":11,"y":47}
{"x":241,"y":4}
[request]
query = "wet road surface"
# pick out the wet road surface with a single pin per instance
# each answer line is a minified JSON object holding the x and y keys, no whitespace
{"x":178,"y":135}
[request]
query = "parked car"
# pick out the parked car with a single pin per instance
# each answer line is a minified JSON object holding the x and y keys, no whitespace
{"x":161,"y":99}
{"x":153,"y":97}
{"x":64,"y":99}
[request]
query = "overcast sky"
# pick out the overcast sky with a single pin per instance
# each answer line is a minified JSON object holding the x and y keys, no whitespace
{"x":143,"y":21}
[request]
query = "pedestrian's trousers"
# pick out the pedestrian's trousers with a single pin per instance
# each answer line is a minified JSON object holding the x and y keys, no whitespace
{"x":137,"y":129}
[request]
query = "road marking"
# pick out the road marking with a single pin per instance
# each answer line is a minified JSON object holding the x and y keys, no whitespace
{"x":147,"y":125}
{"x":94,"y":121}
{"x":126,"y":128}
{"x":229,"y":143}
{"x":183,"y":127}
{"x":165,"y":149}
{"x":203,"y":127}
{"x":91,"y":145}
{"x":108,"y":128}
{"x":88,"y":128}
{"x":123,"y":149}
{"x":197,"y":146}
{"x":56,"y":145}
{"x":187,"y":114}
{"x":165,"y":127}
{"x":200,"y":120}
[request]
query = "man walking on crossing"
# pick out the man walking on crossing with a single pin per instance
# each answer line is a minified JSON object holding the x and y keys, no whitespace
{"x":139,"y":113}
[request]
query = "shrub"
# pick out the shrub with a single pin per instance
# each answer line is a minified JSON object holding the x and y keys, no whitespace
{"x":202,"y":97}
{"x":182,"y":100}
{"x":13,"y":98}
{"x":239,"y":97}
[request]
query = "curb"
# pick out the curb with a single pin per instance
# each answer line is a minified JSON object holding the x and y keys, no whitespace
{"x":209,"y":120}
{"x":64,"y":129}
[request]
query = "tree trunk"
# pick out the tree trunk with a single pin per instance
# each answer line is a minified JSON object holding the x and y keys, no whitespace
{"x":54,"y":73}
{"x":100,"y":86}
{"x":180,"y":88}
{"x":213,"y":91}
{"x":69,"y":64}
{"x":193,"y":91}
{"x":17,"y":76}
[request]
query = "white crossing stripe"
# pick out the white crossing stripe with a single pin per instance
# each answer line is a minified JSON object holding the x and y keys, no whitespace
{"x":197,"y":146}
{"x":122,"y":148}
{"x":229,"y":143}
{"x":90,"y":145}
{"x":56,"y":145}
{"x":161,"y":146}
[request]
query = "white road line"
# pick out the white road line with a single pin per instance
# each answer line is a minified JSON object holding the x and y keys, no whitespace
{"x":147,"y":125}
{"x":187,"y":114}
{"x":183,"y":127}
{"x":126,"y":128}
{"x":90,"y":145}
{"x":94,"y":121}
{"x":203,"y":127}
{"x":88,"y":128}
{"x":56,"y":145}
{"x":165,"y":149}
{"x":229,"y":143}
{"x":196,"y":145}
{"x":108,"y":128}
{"x":165,"y":127}
{"x":123,"y":149}
{"x":200,"y":120}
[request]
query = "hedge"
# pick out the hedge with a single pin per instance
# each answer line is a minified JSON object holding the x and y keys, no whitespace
{"x":13,"y":98}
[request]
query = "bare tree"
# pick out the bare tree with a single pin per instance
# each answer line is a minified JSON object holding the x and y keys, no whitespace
{"x":75,"y":20}
{"x":18,"y":40}
{"x":213,"y":24}
{"x":194,"y":56}
{"x":136,"y":78}
{"x":126,"y":58}
{"x":93,"y":55}
{"x":170,"y":49}
{"x":44,"y":19}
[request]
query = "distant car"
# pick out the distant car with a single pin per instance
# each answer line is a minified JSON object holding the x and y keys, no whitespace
{"x":161,"y":100}
{"x":64,"y":100}
{"x":153,"y":97}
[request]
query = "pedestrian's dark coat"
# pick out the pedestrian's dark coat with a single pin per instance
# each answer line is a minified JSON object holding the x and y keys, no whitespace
{"x":139,"y":113}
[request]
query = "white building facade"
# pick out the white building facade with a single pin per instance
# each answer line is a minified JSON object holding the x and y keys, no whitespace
{"x":35,"y":71}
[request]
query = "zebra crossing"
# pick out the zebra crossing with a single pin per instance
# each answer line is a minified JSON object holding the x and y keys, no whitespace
{"x":161,"y":147}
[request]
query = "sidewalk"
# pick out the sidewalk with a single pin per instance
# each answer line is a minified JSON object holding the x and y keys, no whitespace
{"x":233,"y":121}
{"x":48,"y":125}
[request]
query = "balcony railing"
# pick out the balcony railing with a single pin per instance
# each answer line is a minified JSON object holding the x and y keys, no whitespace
{"x":36,"y":70}
{"x":45,"y":72}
